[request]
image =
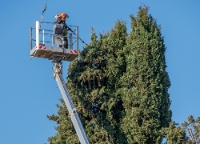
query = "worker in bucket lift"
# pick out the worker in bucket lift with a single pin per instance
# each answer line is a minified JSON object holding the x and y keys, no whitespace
{"x":61,"y":28}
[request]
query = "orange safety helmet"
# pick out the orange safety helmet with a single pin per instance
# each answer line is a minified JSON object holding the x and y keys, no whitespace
{"x":64,"y":16}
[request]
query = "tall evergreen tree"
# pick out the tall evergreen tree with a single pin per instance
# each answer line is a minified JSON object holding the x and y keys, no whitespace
{"x":92,"y":82}
{"x":145,"y":83}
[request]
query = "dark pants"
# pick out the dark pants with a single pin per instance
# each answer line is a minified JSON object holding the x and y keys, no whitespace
{"x":66,"y":42}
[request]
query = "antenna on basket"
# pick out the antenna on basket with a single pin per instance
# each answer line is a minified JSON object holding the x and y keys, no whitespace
{"x":45,"y":7}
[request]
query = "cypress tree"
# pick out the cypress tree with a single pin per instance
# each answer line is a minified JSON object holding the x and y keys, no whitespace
{"x":92,"y":82}
{"x":145,"y":83}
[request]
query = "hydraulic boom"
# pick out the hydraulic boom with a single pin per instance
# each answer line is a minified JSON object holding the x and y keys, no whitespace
{"x":68,"y":101}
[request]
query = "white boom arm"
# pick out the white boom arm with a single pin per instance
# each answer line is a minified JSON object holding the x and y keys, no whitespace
{"x":68,"y":101}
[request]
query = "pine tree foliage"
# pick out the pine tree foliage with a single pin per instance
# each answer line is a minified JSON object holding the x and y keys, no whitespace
{"x":92,"y":82}
{"x":187,"y":133}
{"x":145,"y":83}
{"x":174,"y":134}
{"x":192,"y":128}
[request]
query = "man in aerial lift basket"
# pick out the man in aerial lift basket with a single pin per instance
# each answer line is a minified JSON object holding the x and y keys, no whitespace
{"x":60,"y":29}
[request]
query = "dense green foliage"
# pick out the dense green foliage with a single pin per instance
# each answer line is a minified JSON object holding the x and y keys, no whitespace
{"x":119,"y":86}
{"x":145,"y":83}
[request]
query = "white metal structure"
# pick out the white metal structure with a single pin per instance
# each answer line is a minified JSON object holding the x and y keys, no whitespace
{"x":70,"y":106}
{"x":41,"y":49}
{"x":45,"y":44}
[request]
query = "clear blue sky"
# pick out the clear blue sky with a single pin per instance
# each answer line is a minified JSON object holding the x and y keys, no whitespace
{"x":27,"y":90}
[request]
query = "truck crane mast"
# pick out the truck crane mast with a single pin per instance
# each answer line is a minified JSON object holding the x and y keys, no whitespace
{"x":68,"y":101}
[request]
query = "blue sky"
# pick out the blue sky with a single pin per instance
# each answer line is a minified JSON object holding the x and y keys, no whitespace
{"x":27,"y":90}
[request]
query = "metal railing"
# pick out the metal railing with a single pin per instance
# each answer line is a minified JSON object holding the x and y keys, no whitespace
{"x":42,"y":34}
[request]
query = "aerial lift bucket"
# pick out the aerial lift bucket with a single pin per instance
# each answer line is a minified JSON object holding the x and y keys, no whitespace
{"x":45,"y":44}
